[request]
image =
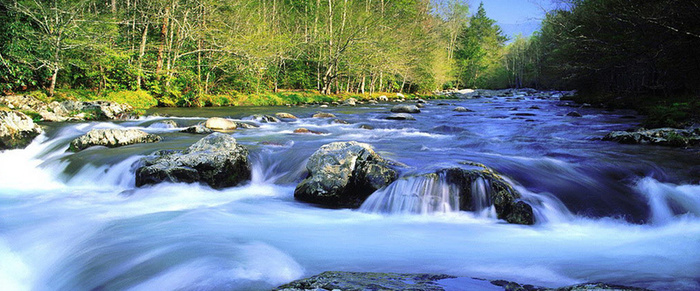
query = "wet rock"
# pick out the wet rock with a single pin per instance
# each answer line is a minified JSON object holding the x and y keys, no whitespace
{"x":420,"y":105}
{"x":303,"y":130}
{"x":448,"y":129}
{"x":574,"y":114}
{"x":216,"y":160}
{"x":367,"y":281}
{"x":659,"y":136}
{"x":17,"y":130}
{"x":340,"y":121}
{"x":197,"y":129}
{"x":372,"y":102}
{"x":383,"y":98}
{"x":350,"y":102}
{"x":112,"y":138}
{"x":343,"y":175}
{"x":366,"y":126}
{"x":218,"y":123}
{"x":524,"y":114}
{"x":405,"y":109}
{"x":323,"y":115}
{"x":534,"y":107}
{"x":401,"y":116}
{"x":499,"y":193}
{"x":421,"y":101}
{"x":164,"y":124}
{"x":245,"y":125}
{"x":462,"y":109}
{"x":264,"y":118}
{"x":399,"y":95}
{"x":361,"y":281}
{"x":285,"y":115}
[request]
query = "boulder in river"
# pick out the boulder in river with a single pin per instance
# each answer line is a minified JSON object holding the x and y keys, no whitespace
{"x":405,"y":109}
{"x":659,"y":136}
{"x":574,"y":114}
{"x":343,"y":175}
{"x":17,"y":130}
{"x":323,"y":115}
{"x":111,"y":138}
{"x":197,"y":129}
{"x":218,"y":123}
{"x":400,"y":116}
{"x":264,"y":118}
{"x":303,"y":130}
{"x":462,"y":109}
{"x":498,"y":193}
{"x":217,"y":160}
{"x":285,"y":115}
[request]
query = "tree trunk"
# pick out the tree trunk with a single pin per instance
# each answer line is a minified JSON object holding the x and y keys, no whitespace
{"x":52,"y":87}
{"x":142,"y":52}
{"x":362,"y":88}
{"x":164,"y":40}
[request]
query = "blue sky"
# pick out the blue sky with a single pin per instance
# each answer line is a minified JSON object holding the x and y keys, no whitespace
{"x":514,"y":16}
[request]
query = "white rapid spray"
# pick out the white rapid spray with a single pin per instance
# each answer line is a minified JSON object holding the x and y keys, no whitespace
{"x":425,"y":194}
{"x":669,"y":202}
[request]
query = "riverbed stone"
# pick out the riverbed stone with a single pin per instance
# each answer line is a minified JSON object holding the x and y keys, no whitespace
{"x":303,"y":130}
{"x":111,"y":138}
{"x":500,"y":193}
{"x":285,"y":115}
{"x":400,"y":116}
{"x":574,"y":114}
{"x":350,"y":102}
{"x":218,"y":123}
{"x":216,"y":160}
{"x":401,"y":108}
{"x":323,"y":115}
{"x":17,"y":130}
{"x":462,"y":109}
{"x":343,"y":175}
{"x":197,"y":129}
{"x":264,"y":118}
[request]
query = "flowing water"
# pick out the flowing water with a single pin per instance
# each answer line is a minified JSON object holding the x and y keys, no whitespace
{"x":623,"y":214}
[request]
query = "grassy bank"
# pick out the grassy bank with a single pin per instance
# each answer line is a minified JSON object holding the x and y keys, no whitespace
{"x":676,"y":111}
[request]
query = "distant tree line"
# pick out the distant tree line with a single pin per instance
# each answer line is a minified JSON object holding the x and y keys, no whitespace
{"x":614,"y":47}
{"x":179,"y":50}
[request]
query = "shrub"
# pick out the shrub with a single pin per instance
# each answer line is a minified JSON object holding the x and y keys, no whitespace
{"x":138,"y":99}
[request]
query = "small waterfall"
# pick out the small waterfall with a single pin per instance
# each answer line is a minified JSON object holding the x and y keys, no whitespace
{"x":415,"y":195}
{"x":483,"y":206}
{"x":666,"y":201}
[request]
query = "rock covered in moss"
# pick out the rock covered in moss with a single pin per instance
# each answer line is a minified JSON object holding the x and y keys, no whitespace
{"x":344,"y":174}
{"x":217,"y":160}
{"x":17,"y":130}
{"x":112,"y":138}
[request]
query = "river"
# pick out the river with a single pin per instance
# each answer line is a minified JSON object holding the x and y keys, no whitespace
{"x":606,"y":212}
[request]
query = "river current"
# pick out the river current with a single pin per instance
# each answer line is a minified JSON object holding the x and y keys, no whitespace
{"x":606,"y":212}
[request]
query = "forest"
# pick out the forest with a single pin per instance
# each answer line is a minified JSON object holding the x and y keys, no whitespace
{"x":199,"y":53}
{"x":240,"y":52}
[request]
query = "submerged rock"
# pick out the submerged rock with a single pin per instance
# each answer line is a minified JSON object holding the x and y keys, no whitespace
{"x":361,"y":281}
{"x":405,"y":109}
{"x":218,"y":123}
{"x":17,"y":130}
{"x":112,"y":138}
{"x":462,"y":109}
{"x":366,"y":281}
{"x":574,"y":114}
{"x":217,"y":160}
{"x":303,"y":130}
{"x":659,"y":136}
{"x":401,"y":116}
{"x":164,"y":124}
{"x":344,"y":174}
{"x":264,"y":118}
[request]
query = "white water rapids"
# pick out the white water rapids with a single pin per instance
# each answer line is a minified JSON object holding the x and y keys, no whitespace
{"x":76,"y":222}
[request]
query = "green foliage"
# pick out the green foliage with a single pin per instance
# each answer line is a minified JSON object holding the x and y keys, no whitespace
{"x":138,"y":99}
{"x":36,"y":117}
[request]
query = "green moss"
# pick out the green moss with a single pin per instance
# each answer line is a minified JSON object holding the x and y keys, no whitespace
{"x":138,"y":99}
{"x":36,"y":117}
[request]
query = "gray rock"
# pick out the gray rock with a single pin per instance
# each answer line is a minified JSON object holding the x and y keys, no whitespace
{"x":323,"y":115}
{"x":462,"y":109}
{"x":350,"y":102}
{"x":383,"y":98}
{"x":217,"y":160}
{"x":400,"y":116}
{"x":499,"y":193}
{"x":197,"y":129}
{"x":17,"y":130}
{"x":405,"y":109}
{"x":111,"y":138}
{"x":344,"y":174}
{"x":23,"y":102}
{"x":264,"y":118}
